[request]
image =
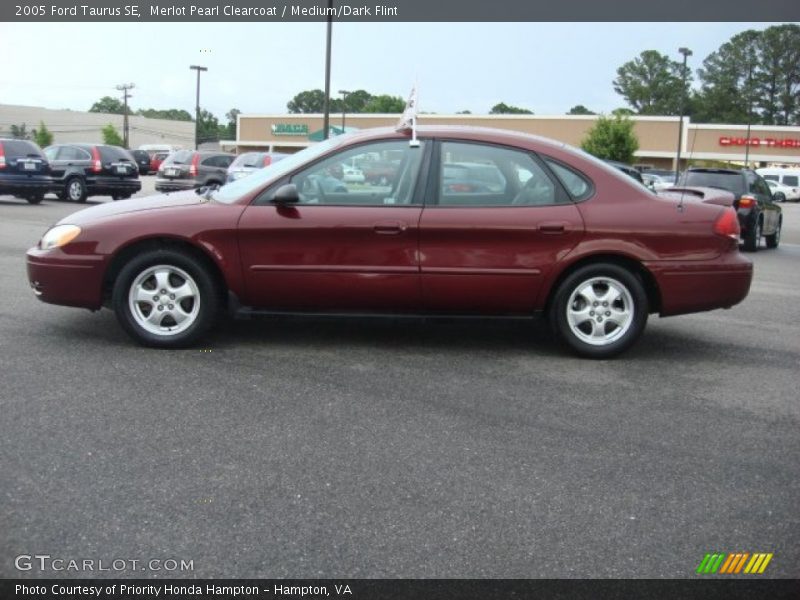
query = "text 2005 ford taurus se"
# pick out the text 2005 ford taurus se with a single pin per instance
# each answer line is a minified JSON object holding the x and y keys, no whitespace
{"x":469,"y":222}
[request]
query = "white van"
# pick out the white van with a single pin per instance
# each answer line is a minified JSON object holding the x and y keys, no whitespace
{"x":786,"y":175}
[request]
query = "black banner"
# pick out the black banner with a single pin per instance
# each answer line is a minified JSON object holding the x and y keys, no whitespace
{"x":401,"y":589}
{"x":397,"y":10}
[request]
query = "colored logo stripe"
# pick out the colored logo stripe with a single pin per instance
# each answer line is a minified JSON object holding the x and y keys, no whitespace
{"x":734,"y":562}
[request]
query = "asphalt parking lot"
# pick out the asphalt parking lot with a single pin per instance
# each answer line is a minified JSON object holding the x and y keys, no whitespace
{"x":310,"y":448}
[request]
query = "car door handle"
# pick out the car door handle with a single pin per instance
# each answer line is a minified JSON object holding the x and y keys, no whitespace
{"x":553,"y":228}
{"x":389,"y":228}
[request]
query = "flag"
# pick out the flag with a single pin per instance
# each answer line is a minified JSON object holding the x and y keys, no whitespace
{"x":409,"y":117}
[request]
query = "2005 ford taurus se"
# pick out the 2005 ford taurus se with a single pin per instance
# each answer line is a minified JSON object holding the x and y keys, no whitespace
{"x":555,"y":232}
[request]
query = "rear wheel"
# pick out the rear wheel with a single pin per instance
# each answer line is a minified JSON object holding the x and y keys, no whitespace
{"x":599,"y":310}
{"x":34,"y":198}
{"x":779,"y":197}
{"x":75,"y":190}
{"x":165,"y":299}
{"x":120,"y":196}
{"x":752,"y":238}
{"x":774,"y":239}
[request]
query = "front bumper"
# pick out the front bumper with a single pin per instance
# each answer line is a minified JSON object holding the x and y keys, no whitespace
{"x":65,"y":279}
{"x":702,"y":285}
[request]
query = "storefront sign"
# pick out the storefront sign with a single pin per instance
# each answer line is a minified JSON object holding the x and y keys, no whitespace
{"x":754,"y":141}
{"x":289,"y":129}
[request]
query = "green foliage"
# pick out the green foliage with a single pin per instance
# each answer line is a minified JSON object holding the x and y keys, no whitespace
{"x":107,"y":104}
{"x":580,"y":109}
{"x":612,"y":138}
{"x":111,"y":136}
{"x":229,"y":131}
{"x":310,"y":101}
{"x":42,"y":136}
{"x":20,"y":132}
{"x":172,"y":114}
{"x":358,"y":101}
{"x":384,"y":104}
{"x":652,"y":84}
{"x":209,"y":127}
{"x":464,"y":112}
{"x":502,"y":108}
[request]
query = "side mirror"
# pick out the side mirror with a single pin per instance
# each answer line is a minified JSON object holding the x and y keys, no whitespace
{"x":286,"y":194}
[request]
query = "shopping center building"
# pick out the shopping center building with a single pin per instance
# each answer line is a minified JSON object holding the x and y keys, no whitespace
{"x":658,"y":136}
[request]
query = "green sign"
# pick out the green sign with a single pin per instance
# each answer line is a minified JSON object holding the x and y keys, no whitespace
{"x":289,"y":129}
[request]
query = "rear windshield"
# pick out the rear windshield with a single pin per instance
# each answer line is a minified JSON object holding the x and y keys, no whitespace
{"x":249,"y":159}
{"x":733,"y":182}
{"x":114,"y":153}
{"x":20,"y":148}
{"x":181,"y":157}
{"x":790,"y":180}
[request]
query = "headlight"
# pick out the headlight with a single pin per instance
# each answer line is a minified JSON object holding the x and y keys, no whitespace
{"x":59,"y":236}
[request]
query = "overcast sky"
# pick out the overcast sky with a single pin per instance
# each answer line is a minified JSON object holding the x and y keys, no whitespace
{"x":259,"y":67}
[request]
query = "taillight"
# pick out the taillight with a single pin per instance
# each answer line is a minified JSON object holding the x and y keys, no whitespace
{"x":747,"y":202}
{"x":727,"y":224}
{"x":97,"y":164}
{"x":267,"y":160}
{"x":193,"y":166}
{"x":2,"y":157}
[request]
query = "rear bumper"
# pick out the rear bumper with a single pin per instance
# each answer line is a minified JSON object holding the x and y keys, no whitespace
{"x":68,"y":280}
{"x":702,"y":285}
{"x":22,"y":184}
{"x":111,"y":185}
{"x":173,"y":185}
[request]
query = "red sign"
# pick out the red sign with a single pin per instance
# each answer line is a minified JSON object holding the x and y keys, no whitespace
{"x":754,"y":141}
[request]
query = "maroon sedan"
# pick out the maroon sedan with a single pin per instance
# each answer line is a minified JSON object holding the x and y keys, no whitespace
{"x":558,"y":233}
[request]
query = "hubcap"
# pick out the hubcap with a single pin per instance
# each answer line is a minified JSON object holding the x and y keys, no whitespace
{"x":164,"y":300}
{"x":75,"y":190}
{"x":600,"y":311}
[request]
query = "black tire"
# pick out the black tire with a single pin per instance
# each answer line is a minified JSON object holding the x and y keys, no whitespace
{"x":752,"y":238}
{"x":618,"y":324}
{"x":774,"y":239}
{"x":35,"y":198}
{"x":140,"y":274}
{"x":75,"y":189}
{"x":120,"y":196}
{"x":779,"y":197}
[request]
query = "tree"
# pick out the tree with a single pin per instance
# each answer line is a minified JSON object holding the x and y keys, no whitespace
{"x":652,"y":84}
{"x":384,"y":104}
{"x":111,"y":136}
{"x":502,"y":108}
{"x":172,"y":114}
{"x":107,"y":104}
{"x":612,"y":138}
{"x":42,"y":136}
{"x":209,"y":128}
{"x":310,"y":101}
{"x":229,"y":130}
{"x":464,"y":112}
{"x":356,"y":102}
{"x":580,"y":109}
{"x":20,"y":132}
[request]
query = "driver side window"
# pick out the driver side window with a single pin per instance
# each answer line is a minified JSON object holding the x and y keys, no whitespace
{"x":380,"y":173}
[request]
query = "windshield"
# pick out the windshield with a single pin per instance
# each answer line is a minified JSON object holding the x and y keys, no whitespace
{"x":231,"y":192}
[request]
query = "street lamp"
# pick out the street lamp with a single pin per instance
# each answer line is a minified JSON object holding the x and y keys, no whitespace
{"x":686,"y":53}
{"x":749,"y":109}
{"x":326,"y":117}
{"x":197,"y":106}
{"x":344,"y":94}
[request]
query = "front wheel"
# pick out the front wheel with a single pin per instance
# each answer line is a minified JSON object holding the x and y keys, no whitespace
{"x":165,"y":299}
{"x":779,"y":197}
{"x":600,"y":310}
{"x":774,"y":239}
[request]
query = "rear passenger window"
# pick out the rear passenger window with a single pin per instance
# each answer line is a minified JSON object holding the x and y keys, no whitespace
{"x":577,"y":184}
{"x":790,"y":180}
{"x":487,"y":175}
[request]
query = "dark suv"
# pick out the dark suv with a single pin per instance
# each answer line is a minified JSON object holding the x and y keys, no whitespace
{"x":759,"y":215}
{"x":24,"y":170}
{"x":142,"y":159}
{"x":189,"y":169}
{"x":83,"y":170}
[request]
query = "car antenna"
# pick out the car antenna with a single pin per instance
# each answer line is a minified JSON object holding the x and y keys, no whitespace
{"x":408,"y":120}
{"x":688,"y":161}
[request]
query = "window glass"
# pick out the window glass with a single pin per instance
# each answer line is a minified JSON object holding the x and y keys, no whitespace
{"x":577,"y":184}
{"x":771,"y":177}
{"x":181,"y":157}
{"x":485,"y":175}
{"x":73,"y":153}
{"x":51,"y":152}
{"x":340,"y":179}
{"x":790,"y":180}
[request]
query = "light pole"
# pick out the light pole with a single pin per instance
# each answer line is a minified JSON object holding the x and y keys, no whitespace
{"x":125,"y":95}
{"x":686,"y":53}
{"x":326,"y":118}
{"x":344,"y":94}
{"x":197,"y":106}
{"x":749,"y":110}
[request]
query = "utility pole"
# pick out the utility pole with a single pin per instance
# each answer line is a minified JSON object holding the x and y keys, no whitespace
{"x":686,"y":53}
{"x":125,"y":95}
{"x":197,"y":106}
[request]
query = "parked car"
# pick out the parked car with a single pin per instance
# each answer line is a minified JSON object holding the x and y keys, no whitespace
{"x":352,"y":174}
{"x":782,"y":192}
{"x":567,"y":236}
{"x":627,"y":169}
{"x":379,"y":172}
{"x":470,"y":178}
{"x":156,"y":158}
{"x":83,"y":170}
{"x":191,"y":169}
{"x":24,"y":170}
{"x":758,"y":213}
{"x":245,"y":164}
{"x":142,"y":159}
{"x":785,"y":175}
{"x":657,"y":182}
